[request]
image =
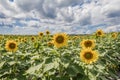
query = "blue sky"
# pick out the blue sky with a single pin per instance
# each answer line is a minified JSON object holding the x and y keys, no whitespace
{"x":70,"y":16}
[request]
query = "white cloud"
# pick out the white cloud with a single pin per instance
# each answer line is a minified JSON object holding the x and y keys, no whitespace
{"x":73,"y":16}
{"x":112,"y":28}
{"x":8,"y":8}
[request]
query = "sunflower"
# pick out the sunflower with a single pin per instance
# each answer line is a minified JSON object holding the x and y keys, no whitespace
{"x":50,"y":43}
{"x":32,"y":38}
{"x":88,"y":43}
{"x":19,"y":38}
{"x":11,"y":46}
{"x":47,"y":32}
{"x":24,"y":39}
{"x":99,"y":33}
{"x":40,"y":34}
{"x":60,"y":39}
{"x":114,"y":35}
{"x":1,"y":37}
{"x":88,"y":56}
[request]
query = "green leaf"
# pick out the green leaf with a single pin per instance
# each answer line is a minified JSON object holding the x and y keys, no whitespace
{"x":59,"y":78}
{"x":36,"y":45}
{"x":72,"y":70}
{"x":113,"y":74}
{"x":48,"y":67}
{"x":48,"y":60}
{"x":92,"y":76}
{"x":32,"y":69}
{"x":1,"y":64}
{"x":102,"y":78}
{"x":99,"y":68}
{"x":12,"y":62}
{"x":65,"y":61}
{"x":78,"y":68}
{"x":56,"y":64}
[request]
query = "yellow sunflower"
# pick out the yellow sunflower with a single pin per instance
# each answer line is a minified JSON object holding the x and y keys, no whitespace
{"x":88,"y":56}
{"x":24,"y":40}
{"x":40,"y":34}
{"x":19,"y":38}
{"x":47,"y":32}
{"x":99,"y":33}
{"x":88,"y":43}
{"x":50,"y":43}
{"x":32,"y":38}
{"x":60,"y":39}
{"x":114,"y":35}
{"x":11,"y":45}
{"x":1,"y":37}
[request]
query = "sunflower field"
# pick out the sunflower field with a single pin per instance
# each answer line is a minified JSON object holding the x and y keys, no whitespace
{"x":60,"y":56}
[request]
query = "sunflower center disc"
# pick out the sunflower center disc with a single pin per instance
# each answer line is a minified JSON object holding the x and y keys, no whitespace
{"x":12,"y":45}
{"x":88,"y":55}
{"x":99,"y":33}
{"x":60,"y":39}
{"x":88,"y":44}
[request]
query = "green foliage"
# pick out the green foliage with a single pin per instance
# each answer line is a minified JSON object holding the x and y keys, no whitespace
{"x":38,"y":61}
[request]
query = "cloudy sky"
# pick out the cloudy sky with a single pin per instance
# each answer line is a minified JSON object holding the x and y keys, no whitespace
{"x":70,"y":16}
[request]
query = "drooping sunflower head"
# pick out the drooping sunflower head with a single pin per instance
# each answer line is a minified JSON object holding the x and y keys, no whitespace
{"x":114,"y":35}
{"x":88,"y":56}
{"x":99,"y":33}
{"x":11,"y":46}
{"x":88,"y":43}
{"x":40,"y":34}
{"x":47,"y":32}
{"x":60,"y":39}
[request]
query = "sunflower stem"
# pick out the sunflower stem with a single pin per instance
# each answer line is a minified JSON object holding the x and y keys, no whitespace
{"x":60,"y":65}
{"x":14,"y":66}
{"x":87,"y":71}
